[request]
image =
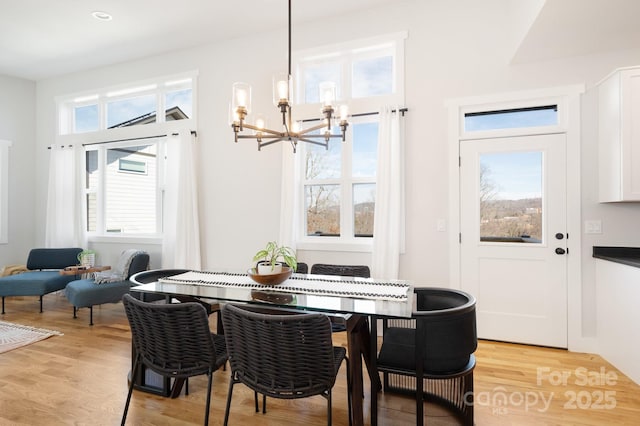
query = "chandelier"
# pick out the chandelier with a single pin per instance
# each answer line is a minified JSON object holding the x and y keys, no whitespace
{"x":282,"y":98}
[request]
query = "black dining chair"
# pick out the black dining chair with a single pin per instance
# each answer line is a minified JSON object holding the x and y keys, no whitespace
{"x":285,"y":356}
{"x":302,"y":268}
{"x":362,"y":271}
{"x":175,"y":341}
{"x":442,"y":336}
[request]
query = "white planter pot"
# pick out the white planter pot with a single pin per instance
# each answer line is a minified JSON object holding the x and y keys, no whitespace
{"x":266,"y":269}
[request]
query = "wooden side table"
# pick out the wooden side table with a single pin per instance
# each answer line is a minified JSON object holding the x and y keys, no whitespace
{"x":83,"y":270}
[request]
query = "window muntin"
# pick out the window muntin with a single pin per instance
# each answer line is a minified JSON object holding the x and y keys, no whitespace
{"x":124,"y":203}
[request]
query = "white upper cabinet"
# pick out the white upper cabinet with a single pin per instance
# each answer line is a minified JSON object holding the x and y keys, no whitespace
{"x":619,"y":135}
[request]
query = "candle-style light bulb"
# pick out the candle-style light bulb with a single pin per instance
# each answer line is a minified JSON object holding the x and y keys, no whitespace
{"x":241,"y":100}
{"x":327,"y":93}
{"x":281,"y":89}
{"x":344,"y":112}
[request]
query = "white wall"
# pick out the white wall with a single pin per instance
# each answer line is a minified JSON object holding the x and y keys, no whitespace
{"x":18,"y":125}
{"x":454,"y":49}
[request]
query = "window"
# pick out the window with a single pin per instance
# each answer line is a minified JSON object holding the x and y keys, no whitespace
{"x":4,"y":191}
{"x":123,"y":187}
{"x":134,"y":105}
{"x":345,"y":171}
{"x":124,"y":139}
{"x":338,"y":185}
{"x":511,"y":118}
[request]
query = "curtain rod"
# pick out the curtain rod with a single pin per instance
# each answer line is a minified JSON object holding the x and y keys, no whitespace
{"x":193,"y":132}
{"x":362,"y":114}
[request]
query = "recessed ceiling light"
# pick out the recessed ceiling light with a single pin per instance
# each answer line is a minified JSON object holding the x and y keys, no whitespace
{"x":101,"y":16}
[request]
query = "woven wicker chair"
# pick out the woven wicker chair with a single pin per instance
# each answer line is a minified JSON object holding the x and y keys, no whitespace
{"x":338,"y":323}
{"x":173,"y":340}
{"x":285,"y":356}
{"x":344,"y":270}
{"x":443,"y":334}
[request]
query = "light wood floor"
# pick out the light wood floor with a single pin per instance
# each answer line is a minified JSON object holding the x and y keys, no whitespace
{"x":80,"y":379}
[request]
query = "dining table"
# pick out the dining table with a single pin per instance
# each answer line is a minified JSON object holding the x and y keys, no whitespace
{"x":354,"y":300}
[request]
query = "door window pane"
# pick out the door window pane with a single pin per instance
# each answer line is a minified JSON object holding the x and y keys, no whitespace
{"x":511,"y":118}
{"x":364,"y":205}
{"x":511,"y":197}
{"x":322,"y":204}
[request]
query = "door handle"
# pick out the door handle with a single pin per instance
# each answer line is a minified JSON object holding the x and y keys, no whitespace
{"x":560,"y":250}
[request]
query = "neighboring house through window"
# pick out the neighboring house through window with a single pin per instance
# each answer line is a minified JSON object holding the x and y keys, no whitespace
{"x":124,"y":143}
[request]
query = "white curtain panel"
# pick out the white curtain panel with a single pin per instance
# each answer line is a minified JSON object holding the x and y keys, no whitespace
{"x":181,"y":240}
{"x":289,"y":198}
{"x":63,"y":221}
{"x":388,"y":229}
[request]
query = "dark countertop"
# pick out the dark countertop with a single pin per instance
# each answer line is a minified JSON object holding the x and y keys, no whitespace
{"x":625,"y":255}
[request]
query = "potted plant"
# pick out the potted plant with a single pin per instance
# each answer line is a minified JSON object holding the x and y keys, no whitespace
{"x":271,"y":257}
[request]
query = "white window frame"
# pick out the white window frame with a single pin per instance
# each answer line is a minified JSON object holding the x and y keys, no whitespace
{"x":4,"y":191}
{"x":160,"y":86}
{"x":345,"y":53}
{"x":101,"y":231}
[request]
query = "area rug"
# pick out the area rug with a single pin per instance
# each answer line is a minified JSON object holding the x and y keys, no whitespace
{"x":13,"y":336}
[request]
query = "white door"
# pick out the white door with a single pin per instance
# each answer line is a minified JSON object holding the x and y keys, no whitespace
{"x":513,"y":237}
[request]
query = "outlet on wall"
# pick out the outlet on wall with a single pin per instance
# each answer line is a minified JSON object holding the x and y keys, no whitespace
{"x":593,"y":227}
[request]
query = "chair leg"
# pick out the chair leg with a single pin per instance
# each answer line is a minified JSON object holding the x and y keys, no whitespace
{"x":75,"y":310}
{"x":206,"y":414}
{"x":329,"y":408}
{"x":373,"y":395}
{"x":40,"y":303}
{"x":134,"y":372}
{"x":91,"y":315}
{"x":2,"y":305}
{"x":226,"y":411}
{"x":255,"y":400}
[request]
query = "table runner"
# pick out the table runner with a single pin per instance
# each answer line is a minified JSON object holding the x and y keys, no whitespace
{"x":323,"y":285}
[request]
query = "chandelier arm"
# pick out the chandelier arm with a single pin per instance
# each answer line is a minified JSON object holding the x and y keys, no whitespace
{"x":312,"y":129}
{"x":273,"y":141}
{"x":323,"y":144}
{"x":258,"y":129}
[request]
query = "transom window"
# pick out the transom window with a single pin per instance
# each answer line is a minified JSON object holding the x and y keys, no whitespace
{"x":130,"y":106}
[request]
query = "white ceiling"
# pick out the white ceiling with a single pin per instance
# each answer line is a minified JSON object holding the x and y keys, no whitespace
{"x":44,"y":38}
{"x":579,"y":27}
